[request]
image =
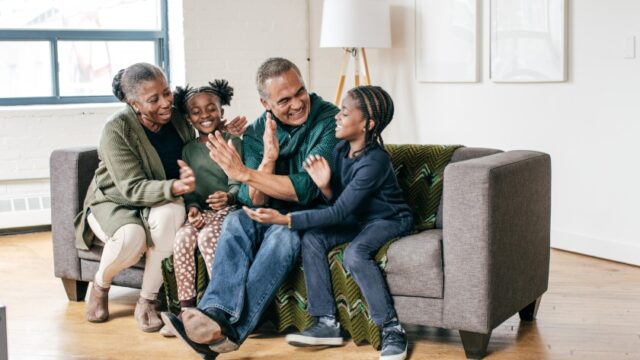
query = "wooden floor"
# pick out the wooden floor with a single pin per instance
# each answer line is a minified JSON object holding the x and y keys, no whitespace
{"x":591,"y":311}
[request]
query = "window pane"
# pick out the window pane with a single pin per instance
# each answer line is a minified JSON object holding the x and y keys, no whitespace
{"x":25,"y":69}
{"x":80,"y":14}
{"x":87,"y":67}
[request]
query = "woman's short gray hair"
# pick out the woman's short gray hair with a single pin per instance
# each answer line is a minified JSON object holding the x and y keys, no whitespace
{"x":271,"y":68}
{"x":126,"y":82}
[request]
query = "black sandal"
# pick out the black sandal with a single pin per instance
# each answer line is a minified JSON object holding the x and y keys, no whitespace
{"x":176,"y":326}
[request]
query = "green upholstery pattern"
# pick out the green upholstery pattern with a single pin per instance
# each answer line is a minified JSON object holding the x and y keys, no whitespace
{"x":420,"y":170}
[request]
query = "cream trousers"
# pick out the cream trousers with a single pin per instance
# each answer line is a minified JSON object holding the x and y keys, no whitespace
{"x":128,"y":244}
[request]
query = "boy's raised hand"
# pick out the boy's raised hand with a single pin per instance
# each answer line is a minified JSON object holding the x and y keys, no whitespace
{"x":318,"y":168}
{"x":187,"y":181}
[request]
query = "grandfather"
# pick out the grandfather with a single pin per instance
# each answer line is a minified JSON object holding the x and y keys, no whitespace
{"x":253,"y":259}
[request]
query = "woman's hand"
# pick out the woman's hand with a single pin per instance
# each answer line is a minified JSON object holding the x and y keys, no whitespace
{"x":195,"y":218}
{"x":270,"y":140}
{"x":266,"y":216}
{"x":187,"y":181}
{"x":225,"y":155}
{"x":218,"y":200}
{"x":318,"y":168}
{"x":237,"y":126}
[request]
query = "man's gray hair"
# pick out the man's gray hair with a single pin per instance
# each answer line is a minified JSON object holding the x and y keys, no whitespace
{"x":271,"y":68}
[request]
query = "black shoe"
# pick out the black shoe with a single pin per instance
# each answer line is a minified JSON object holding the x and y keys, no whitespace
{"x":320,"y":334}
{"x":394,"y":343}
{"x":210,"y":327}
{"x":175,"y":324}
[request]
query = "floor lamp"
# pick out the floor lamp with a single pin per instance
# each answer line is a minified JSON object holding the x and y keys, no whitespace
{"x":355,"y":25}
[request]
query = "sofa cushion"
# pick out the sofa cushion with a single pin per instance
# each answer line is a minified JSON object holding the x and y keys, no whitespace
{"x":419,"y":169}
{"x":414,"y":265}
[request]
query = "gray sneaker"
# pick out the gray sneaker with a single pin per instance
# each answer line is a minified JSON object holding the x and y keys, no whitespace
{"x":320,"y":334}
{"x":394,"y":344}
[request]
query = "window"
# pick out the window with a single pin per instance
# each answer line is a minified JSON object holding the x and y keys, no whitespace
{"x":67,"y":51}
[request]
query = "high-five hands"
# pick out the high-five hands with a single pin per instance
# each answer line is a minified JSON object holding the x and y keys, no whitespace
{"x":270,"y":140}
{"x":318,"y":168}
{"x":225,"y":155}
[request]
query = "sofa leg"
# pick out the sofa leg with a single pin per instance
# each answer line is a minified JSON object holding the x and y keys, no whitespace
{"x":529,"y":312}
{"x":475,"y":344}
{"x":76,"y":289}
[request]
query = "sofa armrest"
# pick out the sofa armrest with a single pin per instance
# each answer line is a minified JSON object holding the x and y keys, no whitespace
{"x":71,"y":171}
{"x":496,"y":232}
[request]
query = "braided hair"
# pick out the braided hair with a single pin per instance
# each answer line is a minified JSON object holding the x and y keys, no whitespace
{"x":376,"y":105}
{"x":219,"y":88}
{"x":127,"y":81}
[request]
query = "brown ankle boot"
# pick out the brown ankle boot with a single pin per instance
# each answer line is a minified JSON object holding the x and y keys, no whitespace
{"x":146,"y":315}
{"x":98,"y":304}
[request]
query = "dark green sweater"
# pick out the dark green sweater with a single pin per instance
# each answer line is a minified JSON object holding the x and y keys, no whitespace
{"x":209,"y":175}
{"x":130,"y":177}
{"x":316,"y":136}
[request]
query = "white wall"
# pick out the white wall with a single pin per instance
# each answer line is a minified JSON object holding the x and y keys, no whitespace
{"x":229,"y":39}
{"x":590,"y":125}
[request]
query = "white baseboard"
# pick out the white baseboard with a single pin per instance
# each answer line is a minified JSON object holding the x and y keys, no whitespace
{"x":19,"y":219}
{"x":603,"y":248}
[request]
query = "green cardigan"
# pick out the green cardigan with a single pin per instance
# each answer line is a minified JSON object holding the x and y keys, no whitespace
{"x":130,"y":177}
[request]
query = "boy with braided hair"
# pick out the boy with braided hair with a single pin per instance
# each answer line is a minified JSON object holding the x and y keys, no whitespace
{"x":215,"y":194}
{"x":367,"y":210}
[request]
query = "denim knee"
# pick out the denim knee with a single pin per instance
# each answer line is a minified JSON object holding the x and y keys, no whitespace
{"x":236,"y":221}
{"x":312,"y":243}
{"x":355,"y":259}
{"x":282,"y":243}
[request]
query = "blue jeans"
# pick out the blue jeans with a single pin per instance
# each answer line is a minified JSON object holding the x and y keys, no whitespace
{"x":252,"y":261}
{"x":365,"y":241}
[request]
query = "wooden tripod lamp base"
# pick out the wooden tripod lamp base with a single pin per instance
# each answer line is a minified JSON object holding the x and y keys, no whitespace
{"x":359,"y":62}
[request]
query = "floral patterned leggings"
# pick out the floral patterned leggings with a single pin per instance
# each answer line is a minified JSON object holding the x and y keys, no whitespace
{"x":185,"y":245}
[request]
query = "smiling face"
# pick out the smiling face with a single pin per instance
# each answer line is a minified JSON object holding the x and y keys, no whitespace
{"x":288,"y":98}
{"x":205,"y":112}
{"x":153,"y":102}
{"x":350,"y":121}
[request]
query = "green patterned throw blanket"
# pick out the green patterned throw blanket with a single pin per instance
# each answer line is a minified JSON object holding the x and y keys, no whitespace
{"x":420,"y":170}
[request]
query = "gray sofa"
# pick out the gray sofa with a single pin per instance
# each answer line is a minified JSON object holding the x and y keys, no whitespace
{"x":487,"y":259}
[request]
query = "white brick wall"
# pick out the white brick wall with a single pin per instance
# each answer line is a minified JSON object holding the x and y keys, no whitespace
{"x":230,"y":38}
{"x":222,"y":39}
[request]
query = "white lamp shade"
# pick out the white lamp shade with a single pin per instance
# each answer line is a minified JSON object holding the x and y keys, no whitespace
{"x":355,"y":24}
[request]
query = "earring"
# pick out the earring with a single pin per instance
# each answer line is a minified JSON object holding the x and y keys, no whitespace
{"x":363,"y":129}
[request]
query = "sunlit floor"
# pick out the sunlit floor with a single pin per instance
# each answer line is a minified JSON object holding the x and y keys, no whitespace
{"x":591,"y":311}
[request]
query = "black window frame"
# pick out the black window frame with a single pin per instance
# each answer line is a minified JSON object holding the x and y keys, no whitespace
{"x":159,"y":37}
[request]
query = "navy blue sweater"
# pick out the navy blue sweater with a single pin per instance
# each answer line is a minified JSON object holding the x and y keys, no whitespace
{"x":364,"y":188}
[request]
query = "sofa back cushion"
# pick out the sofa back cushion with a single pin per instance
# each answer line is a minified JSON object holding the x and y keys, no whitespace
{"x":419,"y":169}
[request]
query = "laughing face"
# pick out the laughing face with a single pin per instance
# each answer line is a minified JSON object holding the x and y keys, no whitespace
{"x":350,"y":121}
{"x":205,"y":112}
{"x":153,"y":103}
{"x":288,"y":98}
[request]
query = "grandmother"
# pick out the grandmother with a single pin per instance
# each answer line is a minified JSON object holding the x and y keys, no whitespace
{"x":134,"y":203}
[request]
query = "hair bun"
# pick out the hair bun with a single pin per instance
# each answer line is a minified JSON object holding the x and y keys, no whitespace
{"x":223,"y":90}
{"x":116,"y":86}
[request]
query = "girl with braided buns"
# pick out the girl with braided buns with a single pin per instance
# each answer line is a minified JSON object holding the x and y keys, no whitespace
{"x":215,"y":194}
{"x":366,"y":210}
